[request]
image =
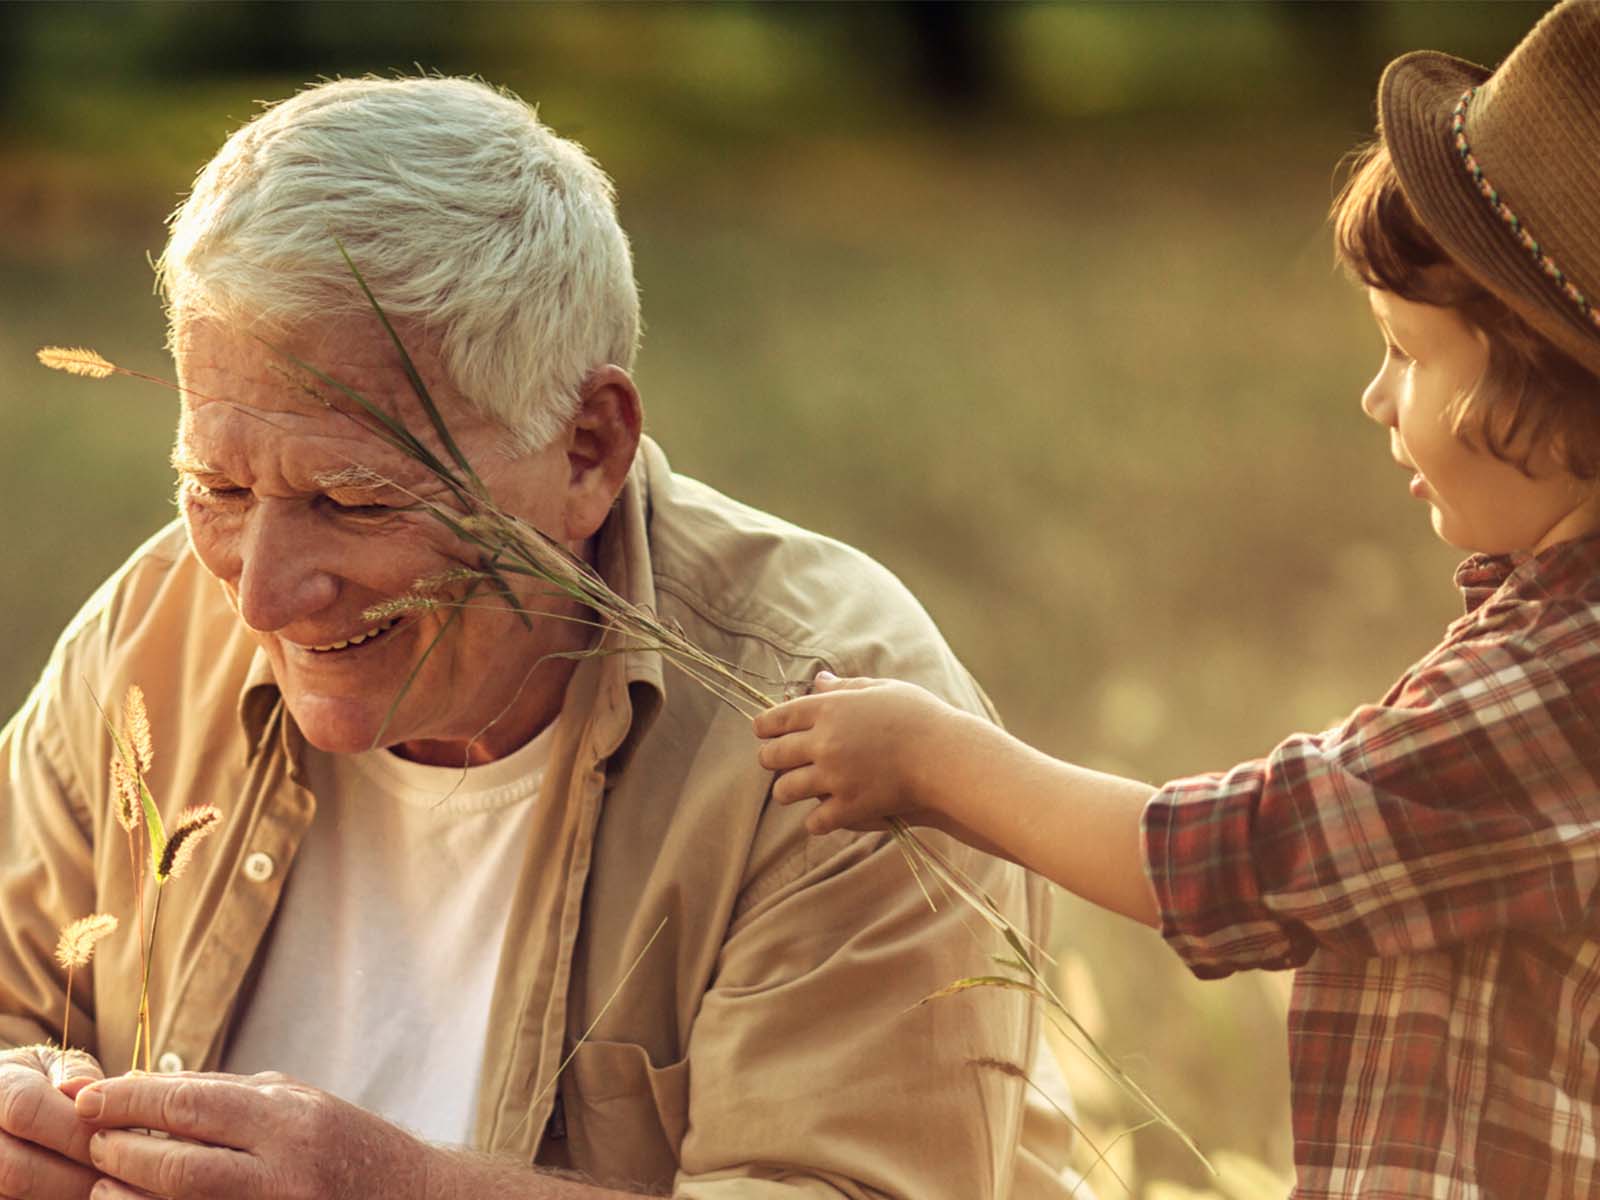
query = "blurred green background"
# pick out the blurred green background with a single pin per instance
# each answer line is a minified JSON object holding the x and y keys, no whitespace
{"x":1033,"y":303}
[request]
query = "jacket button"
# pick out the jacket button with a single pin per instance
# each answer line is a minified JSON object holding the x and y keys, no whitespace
{"x":258,"y":867}
{"x":169,"y":1063}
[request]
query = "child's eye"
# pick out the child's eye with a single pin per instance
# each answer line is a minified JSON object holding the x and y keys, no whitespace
{"x":1399,"y":355}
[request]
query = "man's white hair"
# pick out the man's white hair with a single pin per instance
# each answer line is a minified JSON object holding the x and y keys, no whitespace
{"x":465,"y":215}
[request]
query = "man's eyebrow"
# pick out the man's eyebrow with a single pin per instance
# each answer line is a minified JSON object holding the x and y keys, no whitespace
{"x":185,"y":464}
{"x":352,"y":479}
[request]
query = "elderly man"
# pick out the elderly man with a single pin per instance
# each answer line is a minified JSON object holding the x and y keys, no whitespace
{"x":488,"y":915}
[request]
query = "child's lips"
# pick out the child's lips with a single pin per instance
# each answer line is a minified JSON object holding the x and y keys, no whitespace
{"x":1418,"y":483}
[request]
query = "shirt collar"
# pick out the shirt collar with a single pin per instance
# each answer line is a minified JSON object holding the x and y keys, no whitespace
{"x":634,"y":681}
{"x":1562,"y":568}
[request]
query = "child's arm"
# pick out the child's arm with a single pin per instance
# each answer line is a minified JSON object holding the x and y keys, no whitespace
{"x":872,"y":749}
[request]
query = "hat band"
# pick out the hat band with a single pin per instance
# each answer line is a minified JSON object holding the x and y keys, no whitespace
{"x":1546,"y":264}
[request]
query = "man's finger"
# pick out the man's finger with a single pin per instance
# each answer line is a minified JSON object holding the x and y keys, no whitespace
{"x":220,"y":1112}
{"x":30,"y":1172}
{"x":32,"y":1110}
{"x":112,"y":1189}
{"x":73,"y":1071}
{"x":167,"y":1167}
{"x":71,"y":1087}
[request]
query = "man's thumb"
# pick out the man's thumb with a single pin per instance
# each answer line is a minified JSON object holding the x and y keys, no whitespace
{"x":73,"y":1071}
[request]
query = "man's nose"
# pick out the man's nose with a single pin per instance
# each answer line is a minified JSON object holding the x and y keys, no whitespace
{"x":282,"y":574}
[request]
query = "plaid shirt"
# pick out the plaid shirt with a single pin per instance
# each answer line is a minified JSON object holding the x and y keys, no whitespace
{"x":1430,"y":866}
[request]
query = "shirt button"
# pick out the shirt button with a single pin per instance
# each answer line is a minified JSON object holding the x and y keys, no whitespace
{"x":258,"y":867}
{"x":169,"y":1063}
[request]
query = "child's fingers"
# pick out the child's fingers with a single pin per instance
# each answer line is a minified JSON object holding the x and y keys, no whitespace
{"x":789,"y":717}
{"x":786,"y":752}
{"x":822,"y":819}
{"x":827,"y":681}
{"x":836,"y":813}
{"x":802,"y":783}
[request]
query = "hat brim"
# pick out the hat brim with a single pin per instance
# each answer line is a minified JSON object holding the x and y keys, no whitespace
{"x":1416,"y":98}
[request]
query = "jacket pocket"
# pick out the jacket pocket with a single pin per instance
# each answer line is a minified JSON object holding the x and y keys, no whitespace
{"x":625,"y":1116}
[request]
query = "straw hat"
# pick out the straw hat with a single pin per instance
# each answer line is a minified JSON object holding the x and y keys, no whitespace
{"x":1503,"y":168}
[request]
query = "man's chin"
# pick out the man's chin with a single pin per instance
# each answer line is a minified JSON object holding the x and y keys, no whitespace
{"x":337,"y":726}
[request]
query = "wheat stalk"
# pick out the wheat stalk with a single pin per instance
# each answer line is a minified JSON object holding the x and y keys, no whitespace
{"x":74,"y":950}
{"x":133,"y":751}
{"x":91,"y":364}
{"x":76,"y":360}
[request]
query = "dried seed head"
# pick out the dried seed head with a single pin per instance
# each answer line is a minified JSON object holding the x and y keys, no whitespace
{"x":482,"y":525}
{"x":76,"y":360}
{"x":399,"y":606}
{"x":439,"y":582}
{"x":137,"y":718}
{"x":78,"y":940}
{"x":299,"y":380}
{"x":351,"y":477}
{"x":192,"y":828}
{"x":125,"y":791}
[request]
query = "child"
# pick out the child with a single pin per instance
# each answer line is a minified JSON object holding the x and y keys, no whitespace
{"x":1431,"y":865}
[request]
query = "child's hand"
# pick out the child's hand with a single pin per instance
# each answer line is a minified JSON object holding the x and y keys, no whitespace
{"x":861,"y":746}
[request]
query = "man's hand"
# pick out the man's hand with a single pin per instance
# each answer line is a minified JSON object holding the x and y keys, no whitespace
{"x":234,"y":1137}
{"x":44,"y":1148}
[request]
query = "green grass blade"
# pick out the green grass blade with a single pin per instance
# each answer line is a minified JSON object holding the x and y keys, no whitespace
{"x":405,"y":688}
{"x":390,"y":428}
{"x":412,"y":374}
{"x":593,"y":1025}
{"x":977,"y":981}
{"x":152,"y":815}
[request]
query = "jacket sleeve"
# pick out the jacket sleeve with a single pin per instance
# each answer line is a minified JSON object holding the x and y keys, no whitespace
{"x":54,"y":759}
{"x":814,"y":1068}
{"x":1467,"y":803}
{"x":46,"y":877}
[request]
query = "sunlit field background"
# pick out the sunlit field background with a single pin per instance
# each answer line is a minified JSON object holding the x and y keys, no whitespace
{"x":1034,"y":304}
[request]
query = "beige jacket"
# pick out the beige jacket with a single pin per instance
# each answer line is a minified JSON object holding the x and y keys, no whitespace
{"x":765,"y":1045}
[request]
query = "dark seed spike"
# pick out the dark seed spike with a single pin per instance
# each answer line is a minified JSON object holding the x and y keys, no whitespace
{"x":187,"y":832}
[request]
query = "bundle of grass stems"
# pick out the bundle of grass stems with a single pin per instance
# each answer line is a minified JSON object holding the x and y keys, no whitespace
{"x":507,"y":546}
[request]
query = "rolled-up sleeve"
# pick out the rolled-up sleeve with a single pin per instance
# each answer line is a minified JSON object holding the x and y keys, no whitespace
{"x":45,"y":872}
{"x":814,"y":1071}
{"x":1467,"y":802}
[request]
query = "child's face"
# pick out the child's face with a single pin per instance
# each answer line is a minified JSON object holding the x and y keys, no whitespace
{"x":1479,"y":502}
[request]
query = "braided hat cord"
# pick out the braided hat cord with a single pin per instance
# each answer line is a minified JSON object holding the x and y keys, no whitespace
{"x":1546,"y":264}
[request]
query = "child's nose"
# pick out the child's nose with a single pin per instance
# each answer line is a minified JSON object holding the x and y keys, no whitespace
{"x":1376,"y":403}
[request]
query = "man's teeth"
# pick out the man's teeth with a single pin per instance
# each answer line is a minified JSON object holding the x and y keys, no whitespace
{"x":359,"y":638}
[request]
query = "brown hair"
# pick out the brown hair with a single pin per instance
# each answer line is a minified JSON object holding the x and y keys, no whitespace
{"x":1529,"y":385}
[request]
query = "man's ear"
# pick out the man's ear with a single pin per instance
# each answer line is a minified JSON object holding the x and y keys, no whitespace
{"x":601,"y":441}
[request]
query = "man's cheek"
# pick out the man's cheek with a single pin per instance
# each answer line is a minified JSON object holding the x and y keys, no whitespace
{"x":214,"y":540}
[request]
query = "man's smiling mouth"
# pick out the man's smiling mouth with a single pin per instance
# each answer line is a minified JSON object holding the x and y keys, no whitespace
{"x":358,"y":639}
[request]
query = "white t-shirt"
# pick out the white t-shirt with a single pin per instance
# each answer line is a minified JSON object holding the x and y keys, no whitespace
{"x":379,"y":969}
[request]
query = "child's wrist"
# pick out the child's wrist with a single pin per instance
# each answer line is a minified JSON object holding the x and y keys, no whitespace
{"x":935,"y":764}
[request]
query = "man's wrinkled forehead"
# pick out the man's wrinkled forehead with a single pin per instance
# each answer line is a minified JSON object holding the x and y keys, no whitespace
{"x":316,"y":367}
{"x":251,"y":405}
